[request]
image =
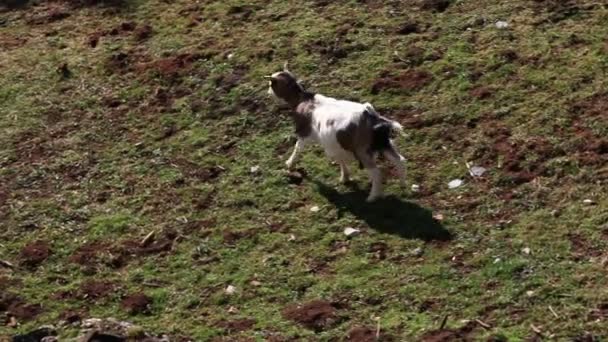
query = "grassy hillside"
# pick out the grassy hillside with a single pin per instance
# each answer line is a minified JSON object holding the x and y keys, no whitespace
{"x":128,"y":118}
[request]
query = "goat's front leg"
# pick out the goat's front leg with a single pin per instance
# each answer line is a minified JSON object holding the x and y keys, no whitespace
{"x":375,"y":176}
{"x":344,"y":173}
{"x":294,"y":155}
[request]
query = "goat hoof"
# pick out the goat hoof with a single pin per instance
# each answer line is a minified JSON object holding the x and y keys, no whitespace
{"x":371,"y":198}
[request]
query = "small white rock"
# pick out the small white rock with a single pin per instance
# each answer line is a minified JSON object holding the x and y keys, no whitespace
{"x":529,"y":293}
{"x":526,"y":250}
{"x":497,"y":260}
{"x":438,"y":217}
{"x":233,"y":310}
{"x":502,"y":24}
{"x":230,"y":290}
{"x":291,"y":237}
{"x":418,"y":252}
{"x":315,"y":209}
{"x":255,"y":169}
{"x":230,"y":55}
{"x":348,"y":231}
{"x":477,"y":171}
{"x":588,"y":201}
{"x":455,"y":183}
{"x":255,"y":283}
{"x":415,"y":187}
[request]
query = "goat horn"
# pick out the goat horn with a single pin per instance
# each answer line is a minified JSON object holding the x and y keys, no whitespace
{"x":267,"y":77}
{"x":285,"y":67}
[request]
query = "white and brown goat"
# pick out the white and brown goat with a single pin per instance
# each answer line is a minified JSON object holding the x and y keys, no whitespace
{"x":346,"y":130}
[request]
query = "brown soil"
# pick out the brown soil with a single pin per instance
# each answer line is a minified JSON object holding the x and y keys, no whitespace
{"x":410,"y":80}
{"x":435,"y":5}
{"x":73,"y":316}
{"x":581,"y":248}
{"x":231,"y":237}
{"x":594,"y":106}
{"x":379,"y":250}
{"x":35,"y":253}
{"x":409,"y":28}
{"x":237,"y":325}
{"x":94,"y":290}
{"x":367,"y":334}
{"x":137,"y":303}
{"x":18,"y":308}
{"x":143,"y":32}
{"x":170,"y":68}
{"x":450,"y":335}
{"x":316,"y":315}
{"x":482,"y":92}
{"x":89,"y":254}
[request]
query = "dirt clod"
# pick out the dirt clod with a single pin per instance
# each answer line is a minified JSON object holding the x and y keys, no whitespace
{"x":35,"y":253}
{"x":237,"y":325}
{"x":94,"y":290}
{"x":316,"y":315}
{"x":435,"y":5}
{"x":367,"y":334}
{"x":410,"y":80}
{"x":136,"y":303}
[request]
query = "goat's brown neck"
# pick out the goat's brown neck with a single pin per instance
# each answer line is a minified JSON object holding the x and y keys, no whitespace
{"x":295,"y":100}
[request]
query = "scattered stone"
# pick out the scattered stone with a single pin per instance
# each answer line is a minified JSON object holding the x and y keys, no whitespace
{"x":255,"y":169}
{"x":455,"y":183}
{"x":477,"y":171}
{"x":438,"y":217}
{"x":230,"y":290}
{"x":588,"y":202}
{"x":530,"y":293}
{"x":291,"y":237}
{"x":501,"y":25}
{"x":418,"y":252}
{"x":315,"y":209}
{"x":255,"y":283}
{"x":415,"y":187}
{"x":526,"y":251}
{"x":349,"y":232}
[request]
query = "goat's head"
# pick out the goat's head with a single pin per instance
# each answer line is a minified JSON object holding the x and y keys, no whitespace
{"x":285,"y":86}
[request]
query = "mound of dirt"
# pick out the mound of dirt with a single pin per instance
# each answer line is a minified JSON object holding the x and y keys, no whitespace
{"x":35,"y":253}
{"x":316,"y":315}
{"x":95,"y":290}
{"x":435,"y":5}
{"x":410,"y":80}
{"x":237,"y":325}
{"x":367,"y":334}
{"x":136,"y":303}
{"x":16,"y":307}
{"x":449,"y":335}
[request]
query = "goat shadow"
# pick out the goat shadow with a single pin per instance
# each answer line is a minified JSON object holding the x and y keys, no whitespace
{"x":389,"y":214}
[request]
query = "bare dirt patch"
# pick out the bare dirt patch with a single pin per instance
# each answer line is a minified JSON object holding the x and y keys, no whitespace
{"x":410,"y":80}
{"x":367,"y":334}
{"x":445,"y":335}
{"x":238,"y":325}
{"x":435,"y":5}
{"x":90,"y":253}
{"x":170,"y":68}
{"x":316,"y":315}
{"x":94,"y":290}
{"x":35,"y":253}
{"x":481,"y":92}
{"x":73,"y":315}
{"x":137,"y":303}
{"x":16,"y":307}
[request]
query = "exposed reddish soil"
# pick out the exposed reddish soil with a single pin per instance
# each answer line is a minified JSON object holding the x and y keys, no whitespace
{"x":367,"y":334}
{"x":73,"y":316}
{"x":8,"y":42}
{"x":237,"y":325}
{"x":409,"y":28}
{"x":232,"y":236}
{"x":435,"y":5}
{"x":582,"y":248}
{"x":379,"y":250}
{"x":94,"y":290}
{"x":316,"y":315}
{"x":594,"y":106}
{"x":482,"y":92}
{"x":170,"y":68}
{"x":193,"y":170}
{"x":136,"y":303}
{"x":449,"y":335}
{"x":410,"y":80}
{"x":89,"y":253}
{"x":143,"y":32}
{"x":35,"y":253}
{"x":18,"y":308}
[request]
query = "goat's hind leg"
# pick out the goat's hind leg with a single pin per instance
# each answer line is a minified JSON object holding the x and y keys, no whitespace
{"x":396,"y":159}
{"x":375,"y":176}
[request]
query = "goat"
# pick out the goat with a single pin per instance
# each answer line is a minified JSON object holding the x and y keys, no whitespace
{"x":346,"y":130}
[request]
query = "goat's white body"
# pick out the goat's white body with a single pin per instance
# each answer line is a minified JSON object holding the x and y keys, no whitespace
{"x":328,"y":117}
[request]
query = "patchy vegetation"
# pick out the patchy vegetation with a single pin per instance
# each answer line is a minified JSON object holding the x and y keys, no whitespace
{"x":129,"y":130}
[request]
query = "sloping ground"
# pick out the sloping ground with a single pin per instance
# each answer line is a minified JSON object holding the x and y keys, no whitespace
{"x":124,"y":118}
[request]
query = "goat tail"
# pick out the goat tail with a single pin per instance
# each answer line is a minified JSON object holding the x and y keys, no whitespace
{"x":395,"y":126}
